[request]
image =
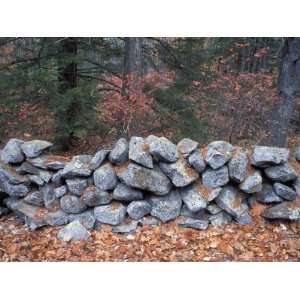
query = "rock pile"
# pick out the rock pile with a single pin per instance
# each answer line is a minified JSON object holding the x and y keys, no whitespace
{"x":146,"y":181}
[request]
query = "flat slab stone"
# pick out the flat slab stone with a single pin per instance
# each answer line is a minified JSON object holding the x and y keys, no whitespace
{"x":215,"y":178}
{"x":136,"y":176}
{"x":105,"y":177}
{"x":162,"y":149}
{"x":139,"y":152}
{"x":284,"y":191}
{"x":113,"y":214}
{"x":123,"y":192}
{"x":188,"y":222}
{"x":180,"y":173}
{"x":12,"y":152}
{"x":167,"y":207}
{"x":186,"y":146}
{"x":289,"y":210}
{"x":52,"y":162}
{"x":35,"y":148}
{"x":74,"y":231}
{"x":264,"y":156}
{"x":79,"y":166}
{"x":281,"y":173}
{"x":119,"y":154}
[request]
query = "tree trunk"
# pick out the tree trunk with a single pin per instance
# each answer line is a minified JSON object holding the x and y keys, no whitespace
{"x":288,"y":86}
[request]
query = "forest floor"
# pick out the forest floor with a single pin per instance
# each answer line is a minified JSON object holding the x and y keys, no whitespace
{"x":261,"y":241}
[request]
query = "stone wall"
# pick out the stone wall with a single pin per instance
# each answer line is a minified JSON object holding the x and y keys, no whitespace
{"x":147,"y":181}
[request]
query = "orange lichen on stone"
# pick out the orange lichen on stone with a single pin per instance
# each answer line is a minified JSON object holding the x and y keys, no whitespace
{"x":189,"y":170}
{"x":204,"y":191}
{"x":115,"y":205}
{"x":295,"y":165}
{"x":203,"y":152}
{"x":145,"y":147}
{"x":121,"y":168}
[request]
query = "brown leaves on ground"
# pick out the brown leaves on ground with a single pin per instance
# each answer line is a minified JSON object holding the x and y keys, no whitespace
{"x":262,"y":241}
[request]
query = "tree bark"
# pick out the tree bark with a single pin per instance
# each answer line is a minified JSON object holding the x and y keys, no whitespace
{"x":288,"y":86}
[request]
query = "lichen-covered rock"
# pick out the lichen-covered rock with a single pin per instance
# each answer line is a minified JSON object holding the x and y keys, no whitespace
{"x":76,"y":186}
{"x":98,"y":159}
{"x":34,"y":148}
{"x":87,"y":218}
{"x":138,"y":209}
{"x":216,"y":159}
{"x":238,"y":165}
{"x":268,"y":195}
{"x":188,"y":222}
{"x":281,"y":173}
{"x":193,"y":197}
{"x":12,"y":152}
{"x":289,"y":210}
{"x":180,"y":173}
{"x":52,"y":162}
{"x":93,"y":196}
{"x":105,"y":177}
{"x":74,"y":231}
{"x":284,"y":191}
{"x":162,"y":149}
{"x":221,"y":218}
{"x":252,"y":183}
{"x":196,"y":160}
{"x":79,"y":166}
{"x":166,"y":207}
{"x":34,"y":198}
{"x":49,"y":197}
{"x":231,"y":200}
{"x":72,"y":204}
{"x":143,"y":178}
{"x":126,"y":227}
{"x":264,"y":156}
{"x":215,"y":178}
{"x":122,"y":192}
{"x":186,"y":146}
{"x":139,"y":152}
{"x":119,"y":154}
{"x":113,"y":214}
{"x":297,"y":153}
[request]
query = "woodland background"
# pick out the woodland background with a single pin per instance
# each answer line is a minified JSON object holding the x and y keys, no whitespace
{"x":82,"y":93}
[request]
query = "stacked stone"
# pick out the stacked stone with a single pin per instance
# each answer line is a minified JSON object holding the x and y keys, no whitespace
{"x":147,"y":181}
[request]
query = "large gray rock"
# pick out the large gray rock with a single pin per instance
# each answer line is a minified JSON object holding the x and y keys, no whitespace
{"x":119,"y":154}
{"x":268,"y":195}
{"x":193,"y":197}
{"x":98,"y":159}
{"x":34,"y":198}
{"x":186,"y":146}
{"x":264,"y":156}
{"x":252,"y":183}
{"x":76,"y":186}
{"x":138,"y":209}
{"x":180,"y":173}
{"x":281,"y":173}
{"x":166,"y":207}
{"x":49,"y":197}
{"x":52,"y":162}
{"x":93,"y":196}
{"x":34,"y":148}
{"x":60,"y":191}
{"x":162,"y":149}
{"x":216,"y":159}
{"x":221,"y":218}
{"x":113,"y":214}
{"x":215,"y":178}
{"x":105,"y":177}
{"x":297,"y":153}
{"x":27,"y":168}
{"x":139,"y":152}
{"x":74,"y":231}
{"x":72,"y":204}
{"x":87,"y":218}
{"x":188,"y":222}
{"x":196,"y":160}
{"x":79,"y":166}
{"x":231,"y":200}
{"x":122,"y":192}
{"x":145,"y":179}
{"x":12,"y":152}
{"x":289,"y":210}
{"x":238,"y":165}
{"x":126,"y":227}
{"x":284,"y":191}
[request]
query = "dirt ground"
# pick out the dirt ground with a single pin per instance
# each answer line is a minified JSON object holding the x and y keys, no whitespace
{"x":261,"y":241}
